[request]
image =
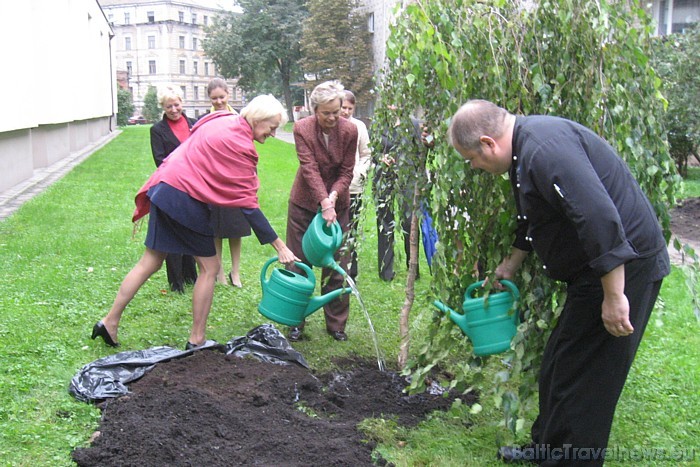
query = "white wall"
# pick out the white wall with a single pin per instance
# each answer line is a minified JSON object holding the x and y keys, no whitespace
{"x":57,"y":86}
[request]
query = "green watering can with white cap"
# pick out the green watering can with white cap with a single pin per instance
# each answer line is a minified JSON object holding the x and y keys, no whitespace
{"x":321,"y":241}
{"x":489,"y":322}
{"x":287,"y":296}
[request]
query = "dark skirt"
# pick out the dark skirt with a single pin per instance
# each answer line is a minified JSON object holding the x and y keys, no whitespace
{"x":229,"y":223}
{"x":178,"y":223}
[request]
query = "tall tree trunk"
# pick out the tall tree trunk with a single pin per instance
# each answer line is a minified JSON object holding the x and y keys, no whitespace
{"x":410,"y":283}
{"x":285,"y":74}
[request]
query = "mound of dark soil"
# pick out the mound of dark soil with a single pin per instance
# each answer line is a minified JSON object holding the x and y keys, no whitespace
{"x":685,"y":219}
{"x":212,"y":409}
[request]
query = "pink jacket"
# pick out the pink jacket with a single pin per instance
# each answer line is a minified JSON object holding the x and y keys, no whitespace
{"x":216,"y":165}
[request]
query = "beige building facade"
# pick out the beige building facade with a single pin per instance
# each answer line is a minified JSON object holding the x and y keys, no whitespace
{"x":159,"y":42}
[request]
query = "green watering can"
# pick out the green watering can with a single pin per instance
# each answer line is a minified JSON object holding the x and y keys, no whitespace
{"x":489,"y":322}
{"x":320,"y":242}
{"x":287,"y":295}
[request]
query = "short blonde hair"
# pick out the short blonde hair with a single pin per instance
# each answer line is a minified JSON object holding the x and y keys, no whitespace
{"x":167,"y":92}
{"x":326,"y":92}
{"x":264,"y":107}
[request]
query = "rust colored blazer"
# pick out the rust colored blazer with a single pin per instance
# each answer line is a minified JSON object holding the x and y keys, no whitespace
{"x":323,"y":169}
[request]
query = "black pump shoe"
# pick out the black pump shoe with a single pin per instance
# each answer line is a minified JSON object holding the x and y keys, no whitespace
{"x":99,"y":329}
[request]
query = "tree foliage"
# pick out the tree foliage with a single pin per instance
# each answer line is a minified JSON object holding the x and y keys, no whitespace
{"x":259,"y":46}
{"x":125,"y":106}
{"x":677,"y":60}
{"x":151,"y":107}
{"x":335,"y":44}
{"x":576,"y":59}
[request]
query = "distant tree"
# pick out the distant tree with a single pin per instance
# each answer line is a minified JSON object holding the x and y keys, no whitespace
{"x":125,"y":106}
{"x":677,"y":61}
{"x":259,"y":44}
{"x":335,"y":44}
{"x":151,"y":108}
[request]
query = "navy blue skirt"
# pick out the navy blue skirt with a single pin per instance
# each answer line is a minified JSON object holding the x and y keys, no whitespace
{"x":178,"y":223}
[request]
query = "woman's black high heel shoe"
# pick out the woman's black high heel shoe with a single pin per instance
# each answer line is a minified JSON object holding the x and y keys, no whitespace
{"x":99,"y":329}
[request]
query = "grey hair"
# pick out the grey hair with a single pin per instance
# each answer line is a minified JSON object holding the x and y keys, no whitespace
{"x":169,"y":91}
{"x":473,"y":120}
{"x":326,"y":92}
{"x":264,"y":107}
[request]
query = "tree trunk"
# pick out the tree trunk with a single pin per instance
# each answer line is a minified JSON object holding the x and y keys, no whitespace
{"x":410,"y":283}
{"x":285,"y":74}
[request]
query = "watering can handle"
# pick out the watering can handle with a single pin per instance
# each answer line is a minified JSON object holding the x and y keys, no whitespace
{"x":512,"y":288}
{"x":263,"y":272}
{"x":302,"y":266}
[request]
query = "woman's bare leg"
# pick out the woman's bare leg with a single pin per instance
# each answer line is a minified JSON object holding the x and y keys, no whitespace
{"x":202,"y":296}
{"x":150,"y":262}
{"x":235,"y":247}
{"x":220,"y":275}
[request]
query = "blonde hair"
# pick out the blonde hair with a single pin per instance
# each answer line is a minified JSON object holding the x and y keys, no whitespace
{"x":326,"y":92}
{"x":264,"y":107}
{"x":167,"y":92}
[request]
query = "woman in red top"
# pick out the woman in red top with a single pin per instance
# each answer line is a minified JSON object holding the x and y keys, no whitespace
{"x":216,"y":165}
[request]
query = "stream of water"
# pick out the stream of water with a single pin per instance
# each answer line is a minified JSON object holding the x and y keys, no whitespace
{"x":356,"y":293}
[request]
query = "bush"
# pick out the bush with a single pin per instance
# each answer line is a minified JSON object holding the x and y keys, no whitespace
{"x":125,"y":106}
{"x":676,"y":58}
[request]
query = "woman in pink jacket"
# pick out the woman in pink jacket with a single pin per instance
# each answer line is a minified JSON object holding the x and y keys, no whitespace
{"x":216,"y":165}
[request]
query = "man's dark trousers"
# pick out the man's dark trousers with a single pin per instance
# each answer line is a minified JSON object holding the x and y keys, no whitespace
{"x":584,"y":368}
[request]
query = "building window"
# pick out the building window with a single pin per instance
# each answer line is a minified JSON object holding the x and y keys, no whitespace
{"x":195,"y":68}
{"x":182,"y":67}
{"x":194,"y":18}
{"x":127,"y":18}
{"x":127,"y":43}
{"x":370,"y":22}
{"x":184,"y":92}
{"x":151,"y":16}
{"x":206,"y":20}
{"x":128,"y":69}
{"x":194,"y":43}
{"x":151,"y":42}
{"x":675,"y":16}
{"x":206,"y":68}
{"x":181,"y":42}
{"x":196,"y":93}
{"x":181,"y":16}
{"x":152,"y":67}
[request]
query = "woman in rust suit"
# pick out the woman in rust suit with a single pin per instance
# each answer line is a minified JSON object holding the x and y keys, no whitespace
{"x":325,"y":145}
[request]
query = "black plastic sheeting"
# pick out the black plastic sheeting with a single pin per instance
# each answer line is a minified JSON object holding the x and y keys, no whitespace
{"x":107,"y":377}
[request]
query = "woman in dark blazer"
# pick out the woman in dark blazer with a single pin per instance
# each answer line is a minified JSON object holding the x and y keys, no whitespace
{"x":166,"y":135}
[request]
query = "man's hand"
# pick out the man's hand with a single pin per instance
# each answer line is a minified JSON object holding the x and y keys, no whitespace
{"x":510,"y":265}
{"x":616,"y":315}
{"x":616,"y":308}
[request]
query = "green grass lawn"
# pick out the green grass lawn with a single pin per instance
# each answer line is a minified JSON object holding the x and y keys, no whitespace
{"x":64,"y":254}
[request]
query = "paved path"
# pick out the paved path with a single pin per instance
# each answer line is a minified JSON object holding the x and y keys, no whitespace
{"x":285,"y":136}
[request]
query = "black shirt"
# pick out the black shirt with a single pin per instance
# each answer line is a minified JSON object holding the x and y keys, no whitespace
{"x":578,"y":204}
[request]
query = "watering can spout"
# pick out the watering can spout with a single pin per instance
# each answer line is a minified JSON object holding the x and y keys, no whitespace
{"x":317,"y":302}
{"x":457,"y":318}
